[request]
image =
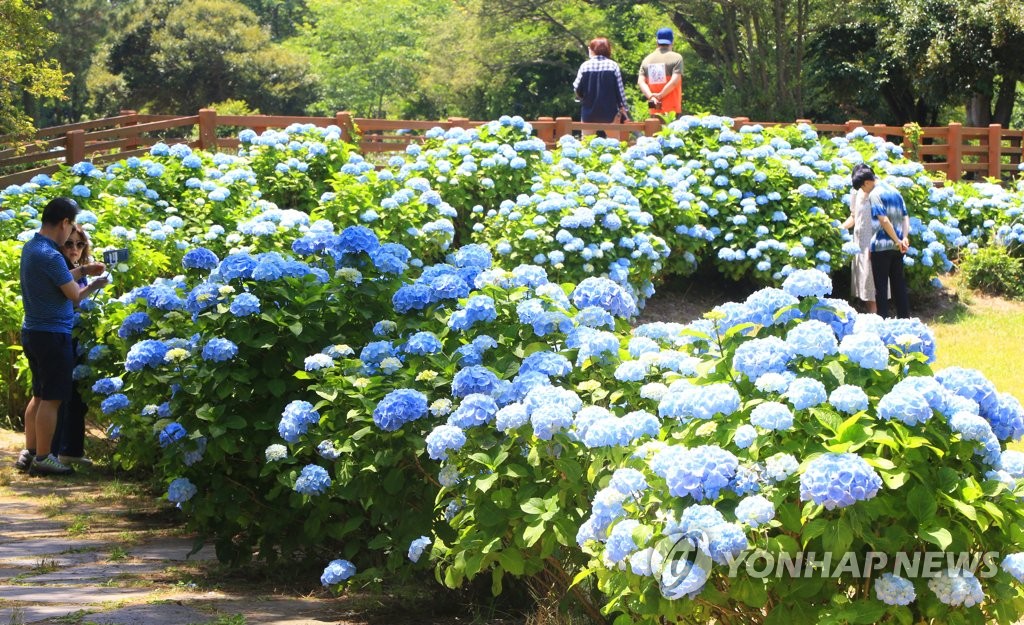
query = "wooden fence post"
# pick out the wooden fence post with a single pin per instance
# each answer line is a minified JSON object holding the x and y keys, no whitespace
{"x":739,"y":122}
{"x":343,"y":119}
{"x":207,"y":129}
{"x":652,"y":125}
{"x":995,"y":150}
{"x":547,"y":136}
{"x":74,"y":147}
{"x":954,"y":152}
{"x":459,"y":122}
{"x":852,"y":125}
{"x":132,"y":141}
{"x":563,"y":126}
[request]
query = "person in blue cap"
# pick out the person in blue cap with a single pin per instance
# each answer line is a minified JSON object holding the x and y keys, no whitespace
{"x":661,"y":76}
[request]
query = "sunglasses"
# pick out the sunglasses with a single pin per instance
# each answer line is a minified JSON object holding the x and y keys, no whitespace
{"x":69,"y":244}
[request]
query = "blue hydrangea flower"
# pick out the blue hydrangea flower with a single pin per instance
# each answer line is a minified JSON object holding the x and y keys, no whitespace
{"x":957,"y":588}
{"x":200,"y":258}
{"x":327,"y":450}
{"x":298,"y":415}
{"x":757,"y":357}
{"x":687,"y":401}
{"x":475,"y":409}
{"x":628,"y":481}
{"x":772,"y":415}
{"x":172,"y":433}
{"x":417,"y":547}
{"x":181,"y":490}
{"x":398,"y":408}
{"x":106,"y":386}
{"x":474,"y":379}
{"x":620,"y":542}
{"x":219,"y":350}
{"x":908,"y":407}
{"x":313,"y":480}
{"x":118,"y":401}
{"x":443,"y":439}
{"x":745,"y":436}
{"x":812,"y":339}
{"x":148,"y":353}
{"x":806,"y":393}
{"x":701,"y":472}
{"x":134,"y":324}
{"x":849,"y":399}
{"x":1014,"y":565}
{"x":838,"y":480}
{"x":604,"y":294}
{"x":550,"y":418}
{"x":245,"y":304}
{"x":336,"y":572}
{"x":807,"y":283}
{"x":866,"y":350}
{"x":894,"y":590}
{"x":422,"y":343}
{"x":755,"y":511}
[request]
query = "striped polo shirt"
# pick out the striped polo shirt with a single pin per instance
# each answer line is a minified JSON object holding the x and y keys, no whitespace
{"x":43,"y":271}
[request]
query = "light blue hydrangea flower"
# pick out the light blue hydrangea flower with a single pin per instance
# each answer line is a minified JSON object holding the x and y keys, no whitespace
{"x":442,"y":439}
{"x":866,"y":350}
{"x":336,"y":572}
{"x":838,"y":480}
{"x":894,"y":590}
{"x":807,"y":283}
{"x":1014,"y":565}
{"x":772,"y":415}
{"x":219,"y":350}
{"x":957,"y":588}
{"x":417,"y":547}
{"x":755,"y":511}
{"x":806,"y":393}
{"x":745,"y":436}
{"x":399,"y":407}
{"x":849,"y":399}
{"x":908,"y":407}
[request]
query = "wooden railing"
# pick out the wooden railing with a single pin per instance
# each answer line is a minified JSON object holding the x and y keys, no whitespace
{"x":952,"y":150}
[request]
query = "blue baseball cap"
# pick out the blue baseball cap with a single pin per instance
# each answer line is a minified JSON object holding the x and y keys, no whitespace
{"x":665,"y":36}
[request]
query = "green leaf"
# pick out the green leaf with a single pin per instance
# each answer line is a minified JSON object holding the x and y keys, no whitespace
{"x":922,"y":504}
{"x":296,"y":328}
{"x":533,"y":533}
{"x":276,"y":386}
{"x":938,"y":536}
{"x":512,"y":560}
{"x":484,"y":484}
{"x":533,"y":506}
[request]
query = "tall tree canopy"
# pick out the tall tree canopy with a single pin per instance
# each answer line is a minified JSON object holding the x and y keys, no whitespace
{"x":25,"y":73}
{"x":183,"y":55}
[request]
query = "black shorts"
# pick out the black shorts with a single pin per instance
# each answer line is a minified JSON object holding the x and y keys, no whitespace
{"x":52,"y":361}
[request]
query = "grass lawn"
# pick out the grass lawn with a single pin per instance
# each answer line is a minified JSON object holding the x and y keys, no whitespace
{"x":986,"y":334}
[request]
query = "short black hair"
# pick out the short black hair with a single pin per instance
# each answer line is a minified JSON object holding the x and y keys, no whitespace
{"x":58,"y":209}
{"x":862,"y":175}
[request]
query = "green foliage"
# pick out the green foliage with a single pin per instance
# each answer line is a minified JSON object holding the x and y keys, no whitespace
{"x":24,"y":70}
{"x":994,"y":271}
{"x":175,"y":57}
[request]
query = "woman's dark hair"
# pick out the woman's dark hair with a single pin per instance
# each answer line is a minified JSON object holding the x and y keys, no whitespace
{"x":601,"y":47}
{"x":862,"y":175}
{"x":58,"y":209}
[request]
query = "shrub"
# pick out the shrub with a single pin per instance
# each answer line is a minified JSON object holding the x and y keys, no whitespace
{"x":994,"y":271}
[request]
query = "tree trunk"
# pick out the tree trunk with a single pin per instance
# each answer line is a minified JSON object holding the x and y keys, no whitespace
{"x":979,"y":111}
{"x":1005,"y":100}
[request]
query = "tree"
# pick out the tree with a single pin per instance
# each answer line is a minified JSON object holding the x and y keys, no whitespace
{"x":25,"y":74}
{"x":366,"y":53}
{"x":181,"y":56}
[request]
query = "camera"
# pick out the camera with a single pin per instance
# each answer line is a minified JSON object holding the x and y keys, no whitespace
{"x":113,"y":257}
{"x":651,"y":105}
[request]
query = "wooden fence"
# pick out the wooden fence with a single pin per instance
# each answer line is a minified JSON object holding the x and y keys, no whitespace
{"x":953,"y":150}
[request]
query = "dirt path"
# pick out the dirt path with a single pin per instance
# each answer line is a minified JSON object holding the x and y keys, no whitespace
{"x":92,"y":549}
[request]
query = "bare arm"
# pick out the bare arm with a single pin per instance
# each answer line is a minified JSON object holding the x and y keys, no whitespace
{"x":669,"y":86}
{"x":77,"y":294}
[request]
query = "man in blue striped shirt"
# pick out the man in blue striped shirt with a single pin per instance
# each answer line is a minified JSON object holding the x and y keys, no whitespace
{"x":49,"y":292}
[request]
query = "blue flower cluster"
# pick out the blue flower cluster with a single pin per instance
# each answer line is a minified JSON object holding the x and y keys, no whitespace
{"x":313,"y":480}
{"x":336,"y":572}
{"x":298,"y":415}
{"x":181,"y":490}
{"x":398,"y":408}
{"x":838,"y":480}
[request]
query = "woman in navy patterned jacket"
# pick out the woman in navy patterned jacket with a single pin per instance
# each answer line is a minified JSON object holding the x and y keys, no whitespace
{"x":598,"y":85}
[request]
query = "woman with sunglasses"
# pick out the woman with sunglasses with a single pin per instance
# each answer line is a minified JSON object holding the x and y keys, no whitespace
{"x":69,"y":437}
